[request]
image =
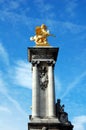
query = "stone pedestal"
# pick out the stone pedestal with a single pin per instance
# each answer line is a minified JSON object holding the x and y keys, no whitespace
{"x":43,"y":90}
{"x":49,"y":126}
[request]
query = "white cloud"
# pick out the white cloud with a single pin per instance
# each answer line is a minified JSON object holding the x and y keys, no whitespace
{"x":11,"y":113}
{"x":7,"y":13}
{"x":16,"y":104}
{"x":10,"y":5}
{"x":79,"y":122}
{"x":21,"y":74}
{"x":11,"y":118}
{"x":45,"y":8}
{"x":4,"y":81}
{"x":4,"y":55}
{"x":14,"y":4}
{"x":4,"y":91}
{"x":71,"y":7}
{"x":74,"y":28}
{"x":58,"y":84}
{"x":13,"y":12}
{"x":71,"y":27}
{"x":74,"y":83}
{"x":3,"y":85}
{"x":4,"y":109}
{"x":42,"y":6}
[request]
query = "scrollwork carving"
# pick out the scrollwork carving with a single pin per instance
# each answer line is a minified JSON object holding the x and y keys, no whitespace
{"x":35,"y":63}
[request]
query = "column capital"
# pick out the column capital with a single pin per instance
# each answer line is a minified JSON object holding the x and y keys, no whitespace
{"x":51,"y":63}
{"x":35,"y":63}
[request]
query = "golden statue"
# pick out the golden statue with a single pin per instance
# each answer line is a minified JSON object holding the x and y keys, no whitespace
{"x":41,"y":35}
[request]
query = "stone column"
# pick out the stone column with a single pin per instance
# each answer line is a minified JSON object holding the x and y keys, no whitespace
{"x":51,"y":91}
{"x":35,"y":91}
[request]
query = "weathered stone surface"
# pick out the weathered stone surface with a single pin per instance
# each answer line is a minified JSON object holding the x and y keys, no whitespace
{"x":49,"y":126}
{"x":42,"y":53}
{"x":43,"y":88}
{"x":46,"y":114}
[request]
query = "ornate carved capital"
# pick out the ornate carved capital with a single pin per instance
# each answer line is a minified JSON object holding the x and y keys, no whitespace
{"x":51,"y":63}
{"x":35,"y":63}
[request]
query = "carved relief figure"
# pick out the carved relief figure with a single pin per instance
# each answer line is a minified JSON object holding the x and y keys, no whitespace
{"x":43,"y":77}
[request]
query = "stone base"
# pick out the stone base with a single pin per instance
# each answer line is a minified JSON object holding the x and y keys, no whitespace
{"x":49,"y":126}
{"x":45,"y":120}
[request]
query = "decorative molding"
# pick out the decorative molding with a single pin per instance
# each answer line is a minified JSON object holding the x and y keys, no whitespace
{"x":51,"y":62}
{"x":42,"y":56}
{"x":35,"y":62}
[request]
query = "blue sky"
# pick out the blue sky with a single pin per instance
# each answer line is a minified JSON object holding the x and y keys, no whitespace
{"x":67,"y":20}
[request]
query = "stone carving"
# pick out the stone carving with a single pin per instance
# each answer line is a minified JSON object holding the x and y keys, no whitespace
{"x":43,"y":77}
{"x":62,"y":116}
{"x":41,"y":35}
{"x":44,"y":128}
{"x":42,"y":56}
{"x":35,"y":63}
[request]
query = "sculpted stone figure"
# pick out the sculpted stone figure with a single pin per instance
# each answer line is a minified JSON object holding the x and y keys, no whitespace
{"x":62,"y":116}
{"x":41,"y":35}
{"x":43,"y":77}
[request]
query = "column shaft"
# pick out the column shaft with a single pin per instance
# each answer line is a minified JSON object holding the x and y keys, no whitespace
{"x":35,"y":92}
{"x":51,"y":92}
